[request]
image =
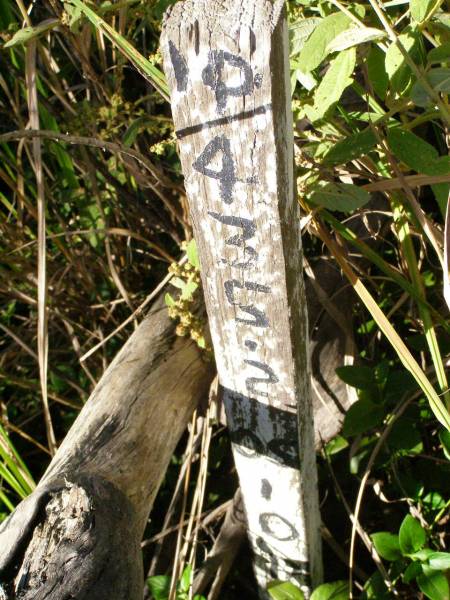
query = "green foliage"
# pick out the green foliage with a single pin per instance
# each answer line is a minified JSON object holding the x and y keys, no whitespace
{"x":279,"y":590}
{"x":159,"y":586}
{"x":427,"y":567}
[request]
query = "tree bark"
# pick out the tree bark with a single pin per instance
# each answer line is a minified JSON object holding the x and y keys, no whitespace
{"x":78,"y":535}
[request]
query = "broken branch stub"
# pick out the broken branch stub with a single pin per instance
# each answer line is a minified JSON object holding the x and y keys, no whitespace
{"x":227,"y":66}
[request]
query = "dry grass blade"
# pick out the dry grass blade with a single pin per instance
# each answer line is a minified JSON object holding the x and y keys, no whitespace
{"x":42,"y":277}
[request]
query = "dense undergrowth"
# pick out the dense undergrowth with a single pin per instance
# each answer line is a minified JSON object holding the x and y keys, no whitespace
{"x":93,"y":213}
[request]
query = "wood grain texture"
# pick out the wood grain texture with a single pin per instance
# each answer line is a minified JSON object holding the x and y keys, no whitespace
{"x":78,"y":535}
{"x":226,"y":64}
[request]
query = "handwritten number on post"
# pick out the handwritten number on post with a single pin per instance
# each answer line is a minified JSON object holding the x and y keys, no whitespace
{"x":226,"y":175}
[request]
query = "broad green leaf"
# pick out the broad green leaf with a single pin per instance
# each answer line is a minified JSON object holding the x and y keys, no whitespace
{"x":330,"y":89}
{"x":421,"y":10}
{"x":299,"y":32}
{"x":351,"y":147}
{"x":387,"y":545}
{"x":362,"y":416}
{"x":398,"y":71}
{"x":404,"y":437}
{"x":433,"y":584}
{"x":337,"y":590}
{"x":343,"y":197}
{"x":444,"y":437}
{"x":358,"y":376}
{"x":315,"y":48}
{"x":412,"y":571}
{"x":353,"y":37}
{"x":415,"y":152}
{"x":439,"y":54}
{"x":159,"y":586}
{"x":28,"y":33}
{"x":438,"y":78}
{"x":284,"y":590}
{"x":411,"y":535}
{"x":192,"y":254}
{"x":439,"y":561}
{"x":377,"y":71}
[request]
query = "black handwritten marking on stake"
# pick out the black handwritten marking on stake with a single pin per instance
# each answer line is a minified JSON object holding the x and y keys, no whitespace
{"x":226,"y":175}
{"x":248,"y":231}
{"x":266,"y":489}
{"x":260,"y":319}
{"x":180,"y":67}
{"x":242,"y":116}
{"x":296,"y":569}
{"x":277,"y":527}
{"x":213,"y":72}
{"x":251,"y":345}
{"x":250,"y":382}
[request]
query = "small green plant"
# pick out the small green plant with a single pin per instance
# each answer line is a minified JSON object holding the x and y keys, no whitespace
{"x":159,"y":586}
{"x":285,"y":590}
{"x":411,"y":559}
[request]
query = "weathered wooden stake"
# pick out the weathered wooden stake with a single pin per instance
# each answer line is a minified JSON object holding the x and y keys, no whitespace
{"x":227,"y":66}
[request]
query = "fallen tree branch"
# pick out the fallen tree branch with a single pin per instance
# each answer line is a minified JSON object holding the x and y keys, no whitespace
{"x":78,"y":535}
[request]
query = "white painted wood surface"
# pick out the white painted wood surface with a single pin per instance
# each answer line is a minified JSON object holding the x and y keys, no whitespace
{"x":227,"y":66}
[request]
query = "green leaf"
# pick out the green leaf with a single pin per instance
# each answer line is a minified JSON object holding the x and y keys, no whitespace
{"x":299,"y":32}
{"x":343,"y":197}
{"x":358,"y":376}
{"x":439,"y":561}
{"x":444,"y":437}
{"x":439,"y":55}
{"x":337,"y":590}
{"x":415,"y":152}
{"x":421,"y":10}
{"x":335,"y":445}
{"x":169,"y":300}
{"x":354,"y":37}
{"x":284,"y":590}
{"x":159,"y":586}
{"x":404,"y":437}
{"x":433,"y":584}
{"x":398,"y":71}
{"x":351,"y":147}
{"x":330,"y":89}
{"x":439,"y":80}
{"x":362,"y":416}
{"x":315,"y":48}
{"x":375,"y":588}
{"x":387,"y":545}
{"x":192,"y":254}
{"x":412,"y":536}
{"x":28,"y":33}
{"x":188,"y":289}
{"x":186,"y":580}
{"x":377,"y":71}
{"x":412,"y":571}
{"x":133,"y":130}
